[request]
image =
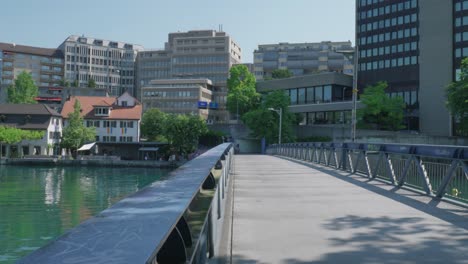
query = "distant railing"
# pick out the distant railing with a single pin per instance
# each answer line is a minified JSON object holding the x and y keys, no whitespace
{"x":177,"y":220}
{"x":437,"y":170}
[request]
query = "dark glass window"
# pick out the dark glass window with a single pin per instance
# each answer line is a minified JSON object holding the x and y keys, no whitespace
{"x":310,"y":95}
{"x":301,"y":96}
{"x":318,"y":94}
{"x":293,"y":95}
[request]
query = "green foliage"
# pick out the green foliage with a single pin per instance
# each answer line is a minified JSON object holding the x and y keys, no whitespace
{"x":315,"y":139}
{"x":23,"y":91}
{"x":152,"y":125}
{"x":242,"y":95}
{"x":281,"y":74}
{"x":183,"y":132}
{"x":64,"y":83}
{"x":75,"y":83}
{"x":381,"y":111}
{"x":11,"y":135}
{"x":91,"y":83}
{"x":457,"y":99}
{"x":212,"y":138}
{"x":75,"y":134}
{"x":265,"y":123}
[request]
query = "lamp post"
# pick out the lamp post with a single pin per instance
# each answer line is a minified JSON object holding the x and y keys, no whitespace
{"x":353,"y":55}
{"x":280,"y":112}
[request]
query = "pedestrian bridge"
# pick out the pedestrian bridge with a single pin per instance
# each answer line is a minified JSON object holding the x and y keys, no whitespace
{"x":302,"y":203}
{"x":289,"y":211}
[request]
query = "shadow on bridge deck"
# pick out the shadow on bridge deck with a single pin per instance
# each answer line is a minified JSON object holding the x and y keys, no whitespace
{"x":287,"y":211}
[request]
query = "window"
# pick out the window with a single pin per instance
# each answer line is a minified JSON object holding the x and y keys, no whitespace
{"x":327,"y":93}
{"x":293,"y":96}
{"x":301,"y":97}
{"x":318,"y":94}
{"x":310,"y":95}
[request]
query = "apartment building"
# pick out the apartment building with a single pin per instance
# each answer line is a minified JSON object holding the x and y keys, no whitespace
{"x":44,"y":65}
{"x":180,"y":96}
{"x":199,"y":54}
{"x":302,"y":58}
{"x":415,"y":46}
{"x":111,"y":64}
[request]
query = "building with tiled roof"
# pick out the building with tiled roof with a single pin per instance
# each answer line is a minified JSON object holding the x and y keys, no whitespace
{"x":36,"y":117}
{"x":116,"y":119}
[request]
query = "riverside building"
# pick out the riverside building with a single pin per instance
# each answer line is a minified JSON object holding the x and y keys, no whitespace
{"x":302,"y":58}
{"x":198,"y":54}
{"x":416,"y":47}
{"x":109,"y":63}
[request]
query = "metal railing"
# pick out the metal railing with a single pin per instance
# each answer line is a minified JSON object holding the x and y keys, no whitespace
{"x":440,"y":171}
{"x":177,"y":220}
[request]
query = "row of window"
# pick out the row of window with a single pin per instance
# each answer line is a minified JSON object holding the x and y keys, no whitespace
{"x":390,"y":63}
{"x":105,"y":123}
{"x":378,"y":38}
{"x":201,"y":69}
{"x":462,"y":36}
{"x":171,"y":94}
{"x":385,"y":10}
{"x":390,"y":22}
{"x":201,"y":59}
{"x":158,"y":63}
{"x":461,"y":52}
{"x":38,"y":58}
{"x":461,"y":6}
{"x":174,"y":104}
{"x":114,"y":139}
{"x":156,"y":74}
{"x":461,"y":21}
{"x":330,"y":117}
{"x":310,"y":95}
{"x":403,"y":47}
{"x":48,"y":77}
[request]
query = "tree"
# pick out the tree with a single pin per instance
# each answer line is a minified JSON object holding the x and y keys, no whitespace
{"x":281,"y":74}
{"x":183,"y":132}
{"x":75,"y":134}
{"x":23,"y":91}
{"x":75,"y":83}
{"x":242,"y":95}
{"x":457,"y":99}
{"x":11,"y":135}
{"x":91,"y":83}
{"x":265,"y":123}
{"x":64,"y":83}
{"x":153,"y":124}
{"x":381,"y":111}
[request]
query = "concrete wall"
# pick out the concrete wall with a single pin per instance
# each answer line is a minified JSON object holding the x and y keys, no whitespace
{"x":435,"y":60}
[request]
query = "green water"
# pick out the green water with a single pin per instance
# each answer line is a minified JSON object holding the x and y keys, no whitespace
{"x":38,"y":204}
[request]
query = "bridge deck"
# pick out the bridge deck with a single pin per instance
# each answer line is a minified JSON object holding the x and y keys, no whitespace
{"x":291,"y":212}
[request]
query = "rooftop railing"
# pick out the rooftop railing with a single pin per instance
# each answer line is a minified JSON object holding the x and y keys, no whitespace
{"x":439,"y":171}
{"x":177,"y":220}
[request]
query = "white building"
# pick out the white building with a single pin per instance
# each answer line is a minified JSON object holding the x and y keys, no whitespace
{"x":33,"y":117}
{"x":116,"y":119}
{"x":109,"y":63}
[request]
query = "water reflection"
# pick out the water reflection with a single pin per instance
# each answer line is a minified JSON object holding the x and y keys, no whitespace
{"x":38,"y":204}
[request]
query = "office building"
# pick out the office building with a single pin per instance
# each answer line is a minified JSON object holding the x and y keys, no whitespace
{"x":416,"y":47}
{"x":302,"y":58}
{"x":110,"y":64}
{"x":44,"y":65}
{"x":54,"y":97}
{"x":321,"y":98}
{"x":199,"y":54}
{"x":180,"y":96}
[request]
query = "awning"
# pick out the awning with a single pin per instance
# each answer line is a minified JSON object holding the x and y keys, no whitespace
{"x":148,"y":149}
{"x":87,"y":146}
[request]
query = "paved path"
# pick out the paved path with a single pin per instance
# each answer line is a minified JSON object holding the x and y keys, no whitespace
{"x":292,"y":212}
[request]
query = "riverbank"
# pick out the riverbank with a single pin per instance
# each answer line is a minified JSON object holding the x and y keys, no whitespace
{"x":91,"y":163}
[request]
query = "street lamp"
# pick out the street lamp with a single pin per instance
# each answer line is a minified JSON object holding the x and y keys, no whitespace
{"x":353,"y":55}
{"x":280,"y":112}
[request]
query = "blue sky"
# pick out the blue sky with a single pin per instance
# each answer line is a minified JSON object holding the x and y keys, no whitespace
{"x":46,"y":23}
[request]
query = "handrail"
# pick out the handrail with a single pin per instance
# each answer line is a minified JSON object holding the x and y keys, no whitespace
{"x":438,"y":170}
{"x":149,"y":225}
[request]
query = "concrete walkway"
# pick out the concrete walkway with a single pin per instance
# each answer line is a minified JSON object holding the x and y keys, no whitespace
{"x":296,"y":212}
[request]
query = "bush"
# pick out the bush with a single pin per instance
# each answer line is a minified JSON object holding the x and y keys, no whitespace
{"x":315,"y":139}
{"x":211,"y":138}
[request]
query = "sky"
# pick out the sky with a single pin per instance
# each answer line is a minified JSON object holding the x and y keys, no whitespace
{"x":47,"y":23}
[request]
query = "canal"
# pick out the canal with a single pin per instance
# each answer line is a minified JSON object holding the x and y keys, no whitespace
{"x":38,"y":204}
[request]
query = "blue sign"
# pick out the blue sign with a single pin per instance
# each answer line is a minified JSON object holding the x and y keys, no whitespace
{"x":202,"y":105}
{"x":213,"y":105}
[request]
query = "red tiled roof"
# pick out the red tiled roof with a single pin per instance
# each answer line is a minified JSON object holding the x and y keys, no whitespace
{"x":88,"y":103}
